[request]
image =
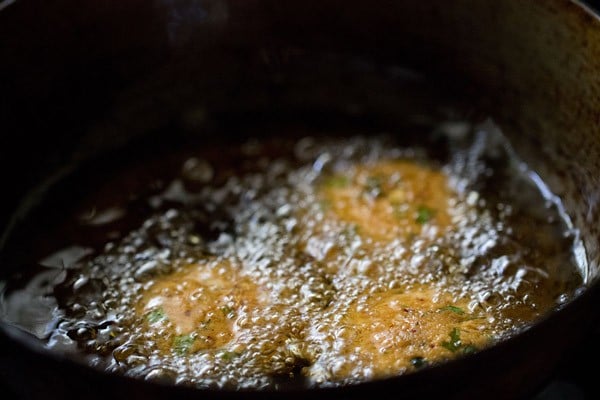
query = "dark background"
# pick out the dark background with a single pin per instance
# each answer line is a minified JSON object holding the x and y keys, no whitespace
{"x":593,"y":3}
{"x":576,"y":377}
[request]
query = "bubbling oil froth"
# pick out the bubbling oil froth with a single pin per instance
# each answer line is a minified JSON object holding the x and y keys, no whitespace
{"x":319,"y":273}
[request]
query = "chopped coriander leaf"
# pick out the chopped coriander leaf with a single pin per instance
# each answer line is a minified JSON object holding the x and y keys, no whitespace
{"x":228,"y":312}
{"x":454,"y":309}
{"x":424,"y":214}
{"x":454,"y":344}
{"x":418,"y":362}
{"x":182,"y":344}
{"x":229,"y":355}
{"x":156,"y":315}
{"x":455,"y":335}
{"x":337,"y":181}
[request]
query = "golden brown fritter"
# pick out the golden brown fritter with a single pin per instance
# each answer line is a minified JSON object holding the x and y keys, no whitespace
{"x":390,"y":199}
{"x":196,"y":307}
{"x":399,"y":330}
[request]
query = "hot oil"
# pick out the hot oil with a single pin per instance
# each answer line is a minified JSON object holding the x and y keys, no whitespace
{"x":312,"y":259}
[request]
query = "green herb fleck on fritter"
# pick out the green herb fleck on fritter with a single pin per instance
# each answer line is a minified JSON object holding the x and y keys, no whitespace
{"x":182,"y":344}
{"x":454,"y":309}
{"x":156,"y":315}
{"x":424,"y":214}
{"x":454,"y":344}
{"x":337,"y":181}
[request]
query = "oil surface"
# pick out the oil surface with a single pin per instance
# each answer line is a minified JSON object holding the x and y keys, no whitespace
{"x":310,"y":260}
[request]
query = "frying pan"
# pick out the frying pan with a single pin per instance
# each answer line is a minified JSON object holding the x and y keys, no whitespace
{"x":83,"y":79}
